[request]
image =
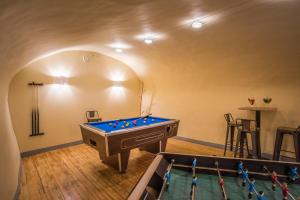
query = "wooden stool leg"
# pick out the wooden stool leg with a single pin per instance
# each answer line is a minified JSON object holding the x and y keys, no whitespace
{"x":258,"y":147}
{"x":254,"y":145}
{"x":296,"y":137}
{"x":242,"y":144}
{"x":237,"y":143}
{"x":278,"y":144}
{"x":226,"y":141}
{"x":232,"y":130}
{"x":247,"y":145}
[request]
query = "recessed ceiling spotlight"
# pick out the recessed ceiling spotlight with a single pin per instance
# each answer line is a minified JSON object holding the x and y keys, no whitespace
{"x":150,"y":37}
{"x":197,"y":24}
{"x":119,"y":50}
{"x":148,"y":41}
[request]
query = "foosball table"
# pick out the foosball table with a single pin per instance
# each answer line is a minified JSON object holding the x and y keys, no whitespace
{"x":178,"y":176}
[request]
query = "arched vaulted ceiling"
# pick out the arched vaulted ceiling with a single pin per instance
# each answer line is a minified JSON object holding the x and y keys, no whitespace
{"x":30,"y":29}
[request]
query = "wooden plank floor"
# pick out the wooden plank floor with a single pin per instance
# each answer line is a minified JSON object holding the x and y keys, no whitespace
{"x":77,"y":173}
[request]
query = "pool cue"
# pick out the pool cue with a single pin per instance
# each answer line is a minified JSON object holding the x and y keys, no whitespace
{"x":142,"y":92}
{"x":37,"y":110}
{"x":165,"y":181}
{"x":278,"y":182}
{"x":220,"y":178}
{"x":33,"y":110}
{"x":144,"y":116}
{"x":138,"y":117}
{"x":35,"y":115}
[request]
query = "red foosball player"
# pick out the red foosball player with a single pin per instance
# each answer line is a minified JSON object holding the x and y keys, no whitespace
{"x":285,"y":191}
{"x":274,"y":179}
{"x":134,"y":122}
{"x":221,"y":182}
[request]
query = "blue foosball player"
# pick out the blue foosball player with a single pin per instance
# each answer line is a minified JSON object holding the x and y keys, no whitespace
{"x":244,"y":177}
{"x":261,"y":195}
{"x":194,"y":163}
{"x":294,"y":174}
{"x":251,"y":188}
{"x":168,"y":179}
{"x":240,"y":168}
{"x":194,"y":184}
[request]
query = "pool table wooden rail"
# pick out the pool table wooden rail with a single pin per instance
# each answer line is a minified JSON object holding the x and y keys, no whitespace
{"x":114,"y":147}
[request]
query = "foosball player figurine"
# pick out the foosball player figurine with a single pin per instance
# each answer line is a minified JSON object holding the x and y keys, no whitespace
{"x":294,"y":174}
{"x":251,"y":188}
{"x":240,"y":168}
{"x":285,"y":191}
{"x":261,"y":195}
{"x":194,"y":163}
{"x":244,"y":177}
{"x":194,"y":184}
{"x":274,"y":179}
{"x":168,"y":179}
{"x":221,"y":182}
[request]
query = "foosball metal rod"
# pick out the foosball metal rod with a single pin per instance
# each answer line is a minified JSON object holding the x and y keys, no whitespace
{"x":220,"y":179}
{"x":278,"y":182}
{"x":194,"y":171}
{"x":223,"y":170}
{"x":194,"y":192}
{"x":165,"y":180}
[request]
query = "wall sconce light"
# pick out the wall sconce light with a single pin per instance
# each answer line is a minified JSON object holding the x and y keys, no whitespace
{"x":61,"y":80}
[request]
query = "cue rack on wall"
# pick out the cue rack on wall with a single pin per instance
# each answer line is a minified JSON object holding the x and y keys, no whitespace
{"x":35,"y":113}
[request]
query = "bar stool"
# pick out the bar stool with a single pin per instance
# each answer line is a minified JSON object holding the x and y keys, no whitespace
{"x":281,"y":132}
{"x":231,"y":126}
{"x":243,"y":131}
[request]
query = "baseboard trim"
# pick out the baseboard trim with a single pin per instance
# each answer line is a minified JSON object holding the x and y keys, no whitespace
{"x":210,"y":144}
{"x":46,"y":149}
{"x":221,"y":146}
{"x":18,"y":190}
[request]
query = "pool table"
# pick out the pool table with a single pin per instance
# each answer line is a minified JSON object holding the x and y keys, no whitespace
{"x":210,"y":170}
{"x":114,"y":139}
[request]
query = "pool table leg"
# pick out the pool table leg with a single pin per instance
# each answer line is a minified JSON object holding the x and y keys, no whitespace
{"x":118,"y":161}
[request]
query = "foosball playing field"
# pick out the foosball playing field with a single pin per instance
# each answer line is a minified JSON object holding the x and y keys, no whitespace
{"x":208,"y":187}
{"x":177,"y":177}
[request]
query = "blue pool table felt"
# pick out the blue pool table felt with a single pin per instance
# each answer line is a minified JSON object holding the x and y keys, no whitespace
{"x":107,"y":126}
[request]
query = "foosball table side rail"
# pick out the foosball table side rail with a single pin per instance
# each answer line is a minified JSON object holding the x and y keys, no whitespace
{"x":151,"y":182}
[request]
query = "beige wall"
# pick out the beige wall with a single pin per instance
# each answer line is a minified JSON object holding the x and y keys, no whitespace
{"x":9,"y":153}
{"x":62,"y":107}
{"x":203,"y":84}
